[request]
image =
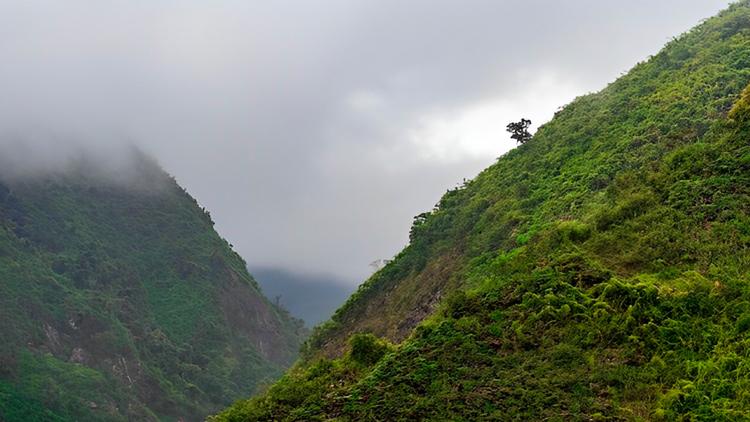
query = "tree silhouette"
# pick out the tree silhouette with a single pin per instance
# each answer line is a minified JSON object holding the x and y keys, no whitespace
{"x":520,"y":130}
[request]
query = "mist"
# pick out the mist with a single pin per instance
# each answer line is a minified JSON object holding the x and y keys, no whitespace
{"x":312,"y":131}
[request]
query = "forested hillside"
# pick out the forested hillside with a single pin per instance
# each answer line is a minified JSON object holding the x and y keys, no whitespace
{"x":599,"y":271}
{"x":118,"y":301}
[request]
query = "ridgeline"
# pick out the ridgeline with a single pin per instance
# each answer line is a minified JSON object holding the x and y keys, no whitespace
{"x":599,"y":271}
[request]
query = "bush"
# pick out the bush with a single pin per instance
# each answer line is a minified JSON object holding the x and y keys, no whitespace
{"x":366,"y":349}
{"x":460,"y":304}
{"x":574,"y":231}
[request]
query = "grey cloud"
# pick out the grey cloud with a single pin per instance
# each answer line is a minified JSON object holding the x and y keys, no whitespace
{"x":294,"y":122}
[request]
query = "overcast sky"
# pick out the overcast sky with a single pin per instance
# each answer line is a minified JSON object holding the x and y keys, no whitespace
{"x":314,"y":130}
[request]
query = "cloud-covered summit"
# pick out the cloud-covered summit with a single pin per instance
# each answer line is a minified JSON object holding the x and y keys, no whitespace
{"x":313,"y":131}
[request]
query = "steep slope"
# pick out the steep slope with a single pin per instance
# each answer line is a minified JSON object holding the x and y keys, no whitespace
{"x":118,"y":301}
{"x":599,"y":271}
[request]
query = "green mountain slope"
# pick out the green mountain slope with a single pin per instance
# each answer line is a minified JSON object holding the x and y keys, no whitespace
{"x":600,"y":271}
{"x":118,"y":301}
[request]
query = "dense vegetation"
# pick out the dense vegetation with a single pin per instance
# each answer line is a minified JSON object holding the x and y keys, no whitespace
{"x":600,"y":271}
{"x":118,"y":301}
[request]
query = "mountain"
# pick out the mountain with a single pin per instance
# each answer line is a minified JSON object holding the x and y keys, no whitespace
{"x":119,"y":301}
{"x":599,"y":271}
{"x":313,"y":298}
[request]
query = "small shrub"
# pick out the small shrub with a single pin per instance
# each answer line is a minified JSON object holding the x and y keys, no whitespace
{"x":460,"y":304}
{"x":574,"y":231}
{"x":366,"y":349}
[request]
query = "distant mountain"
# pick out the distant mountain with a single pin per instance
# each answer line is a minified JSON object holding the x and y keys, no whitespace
{"x":310,"y":297}
{"x":598,"y":272}
{"x":119,"y":301}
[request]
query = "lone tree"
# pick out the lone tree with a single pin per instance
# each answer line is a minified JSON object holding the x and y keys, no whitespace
{"x":520,"y":130}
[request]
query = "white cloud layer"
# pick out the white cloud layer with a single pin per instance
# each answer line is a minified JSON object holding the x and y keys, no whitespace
{"x":313,"y":131}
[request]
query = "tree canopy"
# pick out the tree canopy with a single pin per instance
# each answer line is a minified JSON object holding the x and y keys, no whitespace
{"x":520,"y":130}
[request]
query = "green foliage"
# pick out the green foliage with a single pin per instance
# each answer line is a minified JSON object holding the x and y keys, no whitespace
{"x":366,"y":349}
{"x":599,"y":272}
{"x":118,"y":302}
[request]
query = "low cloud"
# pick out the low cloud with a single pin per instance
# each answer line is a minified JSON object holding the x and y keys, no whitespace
{"x":313,"y":131}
